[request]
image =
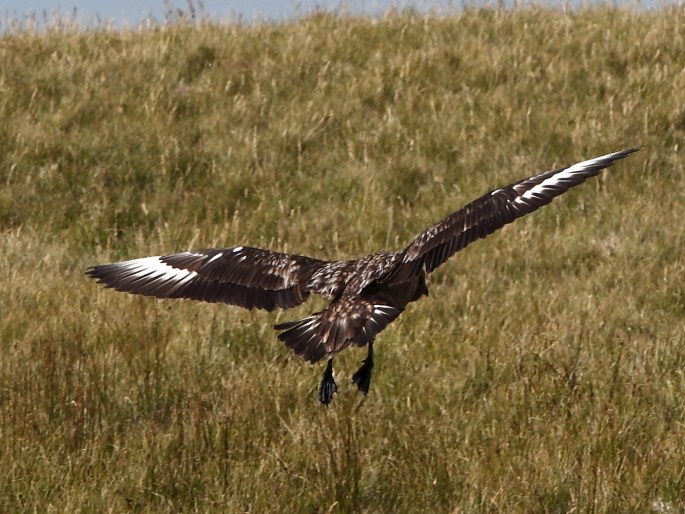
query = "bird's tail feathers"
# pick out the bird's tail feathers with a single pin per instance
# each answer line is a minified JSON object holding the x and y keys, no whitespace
{"x":326,"y":333}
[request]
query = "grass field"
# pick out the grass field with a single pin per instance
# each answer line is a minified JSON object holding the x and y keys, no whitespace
{"x":543,"y":374}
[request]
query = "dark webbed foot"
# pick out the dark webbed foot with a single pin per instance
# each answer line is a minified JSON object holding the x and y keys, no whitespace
{"x":328,"y":386}
{"x":362,"y":377}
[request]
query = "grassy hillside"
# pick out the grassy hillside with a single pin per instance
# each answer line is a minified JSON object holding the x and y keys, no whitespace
{"x":543,"y":374}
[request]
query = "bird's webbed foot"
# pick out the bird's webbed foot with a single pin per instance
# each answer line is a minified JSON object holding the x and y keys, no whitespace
{"x":328,"y":386}
{"x":362,"y":377}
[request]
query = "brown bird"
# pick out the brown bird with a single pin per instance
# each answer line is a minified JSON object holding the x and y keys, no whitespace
{"x":366,"y":294}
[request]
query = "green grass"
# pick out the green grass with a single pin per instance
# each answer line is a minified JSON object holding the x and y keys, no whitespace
{"x":543,"y":374}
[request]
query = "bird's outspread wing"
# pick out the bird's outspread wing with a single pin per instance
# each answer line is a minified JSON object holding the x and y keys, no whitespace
{"x":243,"y":276}
{"x":491,"y":212}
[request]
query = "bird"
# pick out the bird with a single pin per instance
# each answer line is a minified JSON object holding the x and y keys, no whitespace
{"x":365,"y":294}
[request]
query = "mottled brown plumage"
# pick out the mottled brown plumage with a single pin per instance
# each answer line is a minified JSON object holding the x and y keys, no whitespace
{"x":366,"y":294}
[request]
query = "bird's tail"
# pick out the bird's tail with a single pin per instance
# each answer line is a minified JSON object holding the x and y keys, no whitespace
{"x":326,"y":333}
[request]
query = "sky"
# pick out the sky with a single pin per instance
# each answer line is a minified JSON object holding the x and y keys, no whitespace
{"x":131,"y":12}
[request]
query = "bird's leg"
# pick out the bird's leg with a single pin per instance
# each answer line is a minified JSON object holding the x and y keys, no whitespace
{"x":362,"y":376}
{"x":328,"y":386}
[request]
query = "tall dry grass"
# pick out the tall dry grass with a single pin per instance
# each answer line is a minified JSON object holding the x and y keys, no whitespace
{"x":544,"y":373}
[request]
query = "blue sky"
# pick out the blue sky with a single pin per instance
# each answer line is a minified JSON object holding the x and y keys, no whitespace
{"x":131,"y":12}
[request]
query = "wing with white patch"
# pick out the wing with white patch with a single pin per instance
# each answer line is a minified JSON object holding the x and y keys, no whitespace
{"x":242,"y":276}
{"x":346,"y":321}
{"x":491,"y":212}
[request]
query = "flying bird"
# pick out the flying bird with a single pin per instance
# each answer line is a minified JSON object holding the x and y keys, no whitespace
{"x":366,"y":294}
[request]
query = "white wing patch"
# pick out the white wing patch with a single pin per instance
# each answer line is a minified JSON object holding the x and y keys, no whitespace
{"x":153,"y":270}
{"x":561,"y":176}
